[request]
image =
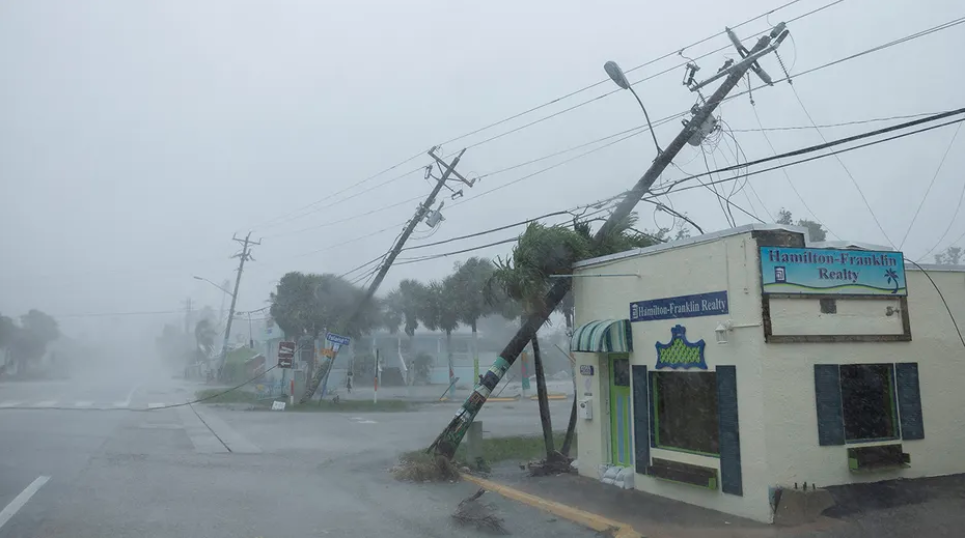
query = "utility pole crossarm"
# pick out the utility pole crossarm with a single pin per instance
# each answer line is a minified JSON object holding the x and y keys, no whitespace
{"x":424,"y":207}
{"x":447,"y":441}
{"x":243,"y":256}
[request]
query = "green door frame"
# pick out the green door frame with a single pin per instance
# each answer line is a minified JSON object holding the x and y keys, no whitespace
{"x":621,"y":432}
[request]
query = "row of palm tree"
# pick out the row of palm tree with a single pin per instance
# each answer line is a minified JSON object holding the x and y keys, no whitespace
{"x":512,"y":287}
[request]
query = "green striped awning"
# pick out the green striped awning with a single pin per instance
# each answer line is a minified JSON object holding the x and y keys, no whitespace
{"x":603,"y":336}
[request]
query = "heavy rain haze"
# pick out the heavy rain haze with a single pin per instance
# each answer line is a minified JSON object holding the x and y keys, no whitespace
{"x":141,"y":143}
{"x":139,"y":136}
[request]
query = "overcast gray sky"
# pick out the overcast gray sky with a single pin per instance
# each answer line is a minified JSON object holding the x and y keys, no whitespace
{"x":137,"y":137}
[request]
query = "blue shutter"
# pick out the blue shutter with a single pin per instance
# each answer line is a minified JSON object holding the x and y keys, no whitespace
{"x":641,"y":418}
{"x":827,"y":392}
{"x":909,"y":401}
{"x":730,"y":440}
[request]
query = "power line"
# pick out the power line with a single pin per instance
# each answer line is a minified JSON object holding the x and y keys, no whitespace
{"x":961,"y":199}
{"x":930,"y":184}
{"x":272,"y":222}
{"x":617,"y":90}
{"x":892,"y":43}
{"x":883,"y":46}
{"x":830,"y":126}
{"x":847,"y":171}
{"x":806,"y":72}
{"x":673,"y":184}
{"x":788,"y":176}
{"x":675,"y":52}
{"x":845,"y":140}
{"x":356,"y":184}
{"x":350,"y":218}
{"x":130,"y":313}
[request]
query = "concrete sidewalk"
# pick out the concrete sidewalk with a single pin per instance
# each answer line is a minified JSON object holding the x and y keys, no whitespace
{"x":937,"y":515}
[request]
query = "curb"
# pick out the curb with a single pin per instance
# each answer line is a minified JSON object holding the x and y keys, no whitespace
{"x":590,"y":520}
{"x":491,"y":399}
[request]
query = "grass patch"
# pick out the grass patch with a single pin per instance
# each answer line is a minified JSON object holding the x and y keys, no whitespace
{"x":355,"y":406}
{"x":215,"y":396}
{"x":420,"y":466}
{"x":519,"y":448}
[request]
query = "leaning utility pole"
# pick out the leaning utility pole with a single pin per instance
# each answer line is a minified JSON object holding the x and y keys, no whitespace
{"x":422,"y":212}
{"x":187,"y":316}
{"x":452,"y":435}
{"x":244,"y":256}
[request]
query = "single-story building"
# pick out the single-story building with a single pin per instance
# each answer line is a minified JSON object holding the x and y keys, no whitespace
{"x":720,"y":369}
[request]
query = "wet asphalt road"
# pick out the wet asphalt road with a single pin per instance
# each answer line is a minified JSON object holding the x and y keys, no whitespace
{"x":209,"y":471}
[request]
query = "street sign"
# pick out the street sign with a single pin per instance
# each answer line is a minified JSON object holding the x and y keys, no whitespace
{"x":286,"y":353}
{"x":338,"y":339}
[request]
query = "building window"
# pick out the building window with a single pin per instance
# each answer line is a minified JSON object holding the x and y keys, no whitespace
{"x":685,"y":412}
{"x":868,"y":402}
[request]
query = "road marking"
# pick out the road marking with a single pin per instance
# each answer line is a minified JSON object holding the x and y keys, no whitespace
{"x":363,"y":420}
{"x":233,"y":440}
{"x":45,"y":404}
{"x":11,"y":509}
{"x":9,"y":404}
{"x":590,"y":520}
{"x":155,"y":405}
{"x":83,"y":404}
{"x":130,"y":396}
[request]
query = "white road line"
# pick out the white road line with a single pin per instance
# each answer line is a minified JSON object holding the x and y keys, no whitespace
{"x":155,"y":405}
{"x":83,"y":404}
{"x":130,"y":396}
{"x":45,"y":404}
{"x":9,"y":404}
{"x":17,"y":503}
{"x":120,"y":404}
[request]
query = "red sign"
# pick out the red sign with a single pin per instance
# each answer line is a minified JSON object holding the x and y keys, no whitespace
{"x":286,"y":353}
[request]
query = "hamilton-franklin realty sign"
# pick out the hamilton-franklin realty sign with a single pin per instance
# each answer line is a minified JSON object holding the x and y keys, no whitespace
{"x":690,"y":306}
{"x":832,"y":271}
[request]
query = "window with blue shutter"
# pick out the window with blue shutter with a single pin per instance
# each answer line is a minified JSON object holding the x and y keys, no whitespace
{"x":827,"y":393}
{"x":909,"y":401}
{"x":730,"y":441}
{"x":641,"y":419}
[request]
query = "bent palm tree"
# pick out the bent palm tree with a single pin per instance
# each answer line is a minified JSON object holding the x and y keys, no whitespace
{"x":525,"y":277}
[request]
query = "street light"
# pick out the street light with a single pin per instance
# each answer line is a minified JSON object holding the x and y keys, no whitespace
{"x":214,"y":285}
{"x":616,"y":74}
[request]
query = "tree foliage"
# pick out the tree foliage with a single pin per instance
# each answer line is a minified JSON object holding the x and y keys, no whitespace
{"x":951,"y":256}
{"x":816,"y":231}
{"x":469,"y":290}
{"x":305,"y":304}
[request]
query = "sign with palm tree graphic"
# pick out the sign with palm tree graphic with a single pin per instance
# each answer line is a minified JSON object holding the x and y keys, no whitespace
{"x":832,"y":271}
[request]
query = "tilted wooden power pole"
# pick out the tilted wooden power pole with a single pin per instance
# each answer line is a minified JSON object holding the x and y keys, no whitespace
{"x":449,"y":169}
{"x":447,"y":442}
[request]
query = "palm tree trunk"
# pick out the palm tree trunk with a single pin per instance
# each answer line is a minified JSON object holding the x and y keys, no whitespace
{"x":449,"y":360}
{"x":475,"y":356}
{"x":544,"y":404}
{"x":571,"y":426}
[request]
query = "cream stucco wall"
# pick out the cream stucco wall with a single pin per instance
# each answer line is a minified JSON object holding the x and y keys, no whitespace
{"x":793,"y":452}
{"x":722,"y":264}
{"x":776,"y":395}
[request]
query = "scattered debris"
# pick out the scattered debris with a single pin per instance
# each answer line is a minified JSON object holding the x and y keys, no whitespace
{"x":558,"y":464}
{"x":481,"y":515}
{"x":420,"y":467}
